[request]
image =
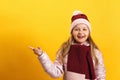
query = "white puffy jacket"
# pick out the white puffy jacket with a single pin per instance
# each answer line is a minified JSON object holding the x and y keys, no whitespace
{"x":57,"y":69}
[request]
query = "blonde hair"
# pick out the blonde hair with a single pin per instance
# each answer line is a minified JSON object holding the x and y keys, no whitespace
{"x":65,"y":47}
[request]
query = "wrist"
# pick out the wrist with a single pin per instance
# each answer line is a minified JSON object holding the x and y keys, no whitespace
{"x":39,"y":54}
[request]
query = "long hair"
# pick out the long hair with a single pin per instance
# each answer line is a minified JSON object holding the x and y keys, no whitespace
{"x":93,"y":46}
{"x":65,"y":47}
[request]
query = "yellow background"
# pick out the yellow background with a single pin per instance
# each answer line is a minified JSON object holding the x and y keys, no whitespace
{"x":45,"y":23}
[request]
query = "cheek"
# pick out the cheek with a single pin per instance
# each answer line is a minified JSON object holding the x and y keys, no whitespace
{"x":74,"y":34}
{"x":87,"y":34}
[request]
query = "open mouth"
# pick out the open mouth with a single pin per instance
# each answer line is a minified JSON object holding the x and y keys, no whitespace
{"x":80,"y":37}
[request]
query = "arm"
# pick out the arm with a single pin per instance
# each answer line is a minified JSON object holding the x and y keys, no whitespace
{"x":100,"y":68}
{"x":55,"y":69}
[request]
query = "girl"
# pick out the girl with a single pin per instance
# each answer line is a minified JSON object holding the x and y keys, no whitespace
{"x":79,"y":57}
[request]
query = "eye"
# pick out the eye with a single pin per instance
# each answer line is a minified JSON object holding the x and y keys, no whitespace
{"x":84,"y":29}
{"x":76,"y":29}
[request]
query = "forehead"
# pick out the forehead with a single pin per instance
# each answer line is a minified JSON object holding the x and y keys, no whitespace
{"x":81,"y":25}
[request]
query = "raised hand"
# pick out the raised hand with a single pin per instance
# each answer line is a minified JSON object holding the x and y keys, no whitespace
{"x":38,"y":51}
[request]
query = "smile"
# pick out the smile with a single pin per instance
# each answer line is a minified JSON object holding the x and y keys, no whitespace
{"x":80,"y":37}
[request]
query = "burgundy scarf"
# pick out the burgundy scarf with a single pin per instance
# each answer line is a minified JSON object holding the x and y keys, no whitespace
{"x":80,"y":61}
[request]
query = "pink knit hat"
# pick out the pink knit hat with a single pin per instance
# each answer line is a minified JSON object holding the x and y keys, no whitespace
{"x":77,"y":18}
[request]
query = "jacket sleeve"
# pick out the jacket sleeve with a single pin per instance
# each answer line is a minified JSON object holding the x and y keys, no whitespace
{"x":100,"y":68}
{"x":55,"y":69}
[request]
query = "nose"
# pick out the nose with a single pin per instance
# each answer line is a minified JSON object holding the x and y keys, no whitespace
{"x":79,"y":31}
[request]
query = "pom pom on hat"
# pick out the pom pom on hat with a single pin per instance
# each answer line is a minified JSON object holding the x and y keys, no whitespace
{"x":77,"y":12}
{"x":77,"y":18}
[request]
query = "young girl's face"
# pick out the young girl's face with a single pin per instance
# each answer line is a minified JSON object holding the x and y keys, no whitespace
{"x":80,"y":33}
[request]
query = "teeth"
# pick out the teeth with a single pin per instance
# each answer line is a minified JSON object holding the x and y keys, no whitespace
{"x":80,"y":36}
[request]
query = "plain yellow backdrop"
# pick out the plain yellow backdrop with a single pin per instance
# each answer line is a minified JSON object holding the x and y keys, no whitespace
{"x":46,"y":23}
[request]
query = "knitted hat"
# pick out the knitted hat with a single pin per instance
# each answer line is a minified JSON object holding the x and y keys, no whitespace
{"x":77,"y":18}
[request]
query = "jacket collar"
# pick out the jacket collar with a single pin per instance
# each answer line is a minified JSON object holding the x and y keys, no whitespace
{"x":84,"y":43}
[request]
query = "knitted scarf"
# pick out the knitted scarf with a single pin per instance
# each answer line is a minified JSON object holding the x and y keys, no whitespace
{"x":80,"y":61}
